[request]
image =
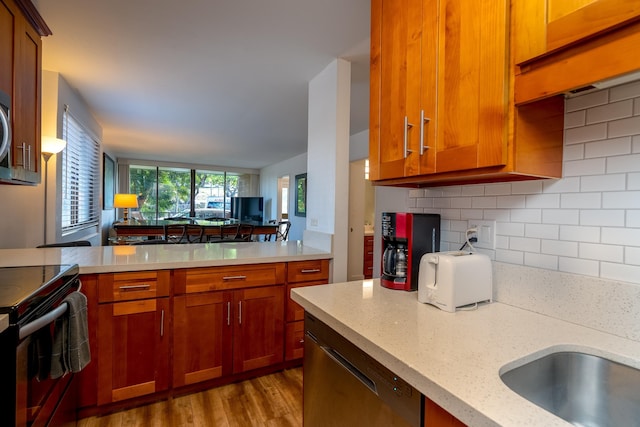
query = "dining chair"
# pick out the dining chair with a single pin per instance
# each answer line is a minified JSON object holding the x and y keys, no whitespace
{"x":193,"y":233}
{"x":175,"y":233}
{"x":245,"y":233}
{"x":228,"y":233}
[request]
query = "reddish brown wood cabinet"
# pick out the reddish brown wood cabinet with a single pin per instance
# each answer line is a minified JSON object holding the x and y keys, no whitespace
{"x":21,"y":28}
{"x":133,"y":335}
{"x":442,"y":103}
{"x":300,"y":273}
{"x":227,"y":320}
{"x":436,"y":416}
{"x":367,"y":264}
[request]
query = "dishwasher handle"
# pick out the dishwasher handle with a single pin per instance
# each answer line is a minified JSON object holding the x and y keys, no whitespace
{"x":341,"y":360}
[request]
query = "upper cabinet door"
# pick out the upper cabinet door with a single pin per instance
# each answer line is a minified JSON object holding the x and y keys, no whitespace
{"x":472,"y":85}
{"x":395,"y":86}
{"x":7,"y":31}
{"x":545,"y":26}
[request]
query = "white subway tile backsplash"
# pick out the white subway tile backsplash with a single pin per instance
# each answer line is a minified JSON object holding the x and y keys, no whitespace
{"x":573,"y":152}
{"x":609,"y":147}
{"x":550,"y":262}
{"x":601,"y":252}
{"x":511,"y":202}
{"x":580,"y":233}
{"x":575,"y":119}
{"x":621,"y":236}
{"x":625,"y":91}
{"x":584,"y":167}
{"x":617,"y":164}
{"x":602,"y":217}
{"x":511,"y":257}
{"x":488,"y":202}
{"x":579,"y":266}
{"x":633,"y":218}
{"x":587,"y":133}
{"x":542,"y":201}
{"x":608,"y":112}
{"x":632,"y":256}
{"x":561,"y":216}
{"x":586,"y":223}
{"x":587,"y":101}
{"x":581,"y":200}
{"x":603,"y":182}
{"x":559,"y":247}
{"x":564,"y":185}
{"x":621,"y":200}
{"x":509,"y":229}
{"x":624,"y":127}
{"x":624,"y":272}
{"x":542,"y":231}
{"x":526,"y":215}
{"x":524,"y":244}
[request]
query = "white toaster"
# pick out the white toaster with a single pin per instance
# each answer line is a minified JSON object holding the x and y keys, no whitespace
{"x":453,"y":279}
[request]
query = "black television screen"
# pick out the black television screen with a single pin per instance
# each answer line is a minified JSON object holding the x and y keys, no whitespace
{"x":247,"y":209}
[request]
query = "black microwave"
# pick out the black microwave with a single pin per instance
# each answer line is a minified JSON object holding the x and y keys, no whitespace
{"x":5,"y":134}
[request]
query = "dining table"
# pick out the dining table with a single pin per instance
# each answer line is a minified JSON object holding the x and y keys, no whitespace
{"x":135,"y":229}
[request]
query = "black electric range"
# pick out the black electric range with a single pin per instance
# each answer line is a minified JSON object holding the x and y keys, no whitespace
{"x":24,"y":291}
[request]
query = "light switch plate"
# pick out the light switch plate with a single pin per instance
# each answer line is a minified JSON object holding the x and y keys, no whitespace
{"x":486,"y":233}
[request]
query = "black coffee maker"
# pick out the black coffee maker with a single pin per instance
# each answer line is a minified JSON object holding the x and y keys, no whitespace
{"x":405,"y":238}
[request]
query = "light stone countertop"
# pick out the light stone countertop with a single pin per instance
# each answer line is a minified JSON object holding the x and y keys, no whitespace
{"x":107,"y":259}
{"x":456,"y":358}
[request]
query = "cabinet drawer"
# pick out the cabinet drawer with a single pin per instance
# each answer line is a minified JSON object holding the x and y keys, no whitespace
{"x":294,"y":341}
{"x":133,"y":285}
{"x":294,"y":311}
{"x":235,"y":277}
{"x":304,"y":271}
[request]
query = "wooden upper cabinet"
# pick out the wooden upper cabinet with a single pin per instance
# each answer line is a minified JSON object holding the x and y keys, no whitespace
{"x":566,"y":45}
{"x":442,"y":98}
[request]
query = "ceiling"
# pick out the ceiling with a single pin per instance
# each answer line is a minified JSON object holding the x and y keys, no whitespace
{"x":207,"y":82}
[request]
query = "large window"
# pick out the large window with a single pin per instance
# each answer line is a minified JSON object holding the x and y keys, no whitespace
{"x":80,"y":177}
{"x":165,"y":192}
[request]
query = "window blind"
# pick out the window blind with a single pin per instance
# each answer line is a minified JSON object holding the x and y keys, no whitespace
{"x":80,"y":177}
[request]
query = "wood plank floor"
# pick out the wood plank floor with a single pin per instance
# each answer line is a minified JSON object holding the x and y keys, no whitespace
{"x":272,"y":400}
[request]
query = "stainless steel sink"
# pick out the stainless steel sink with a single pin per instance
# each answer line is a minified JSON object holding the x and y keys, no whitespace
{"x":583,"y":389}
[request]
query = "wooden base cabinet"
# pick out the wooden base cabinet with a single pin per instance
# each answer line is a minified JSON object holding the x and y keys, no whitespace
{"x":228,"y":331}
{"x":436,"y":416}
{"x":133,"y":335}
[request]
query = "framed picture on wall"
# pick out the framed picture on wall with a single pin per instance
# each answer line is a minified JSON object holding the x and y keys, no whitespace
{"x":108,"y":181}
{"x":301,"y":195}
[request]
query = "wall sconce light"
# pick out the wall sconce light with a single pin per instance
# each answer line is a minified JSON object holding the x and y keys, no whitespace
{"x":49,"y":146}
{"x":125,"y":201}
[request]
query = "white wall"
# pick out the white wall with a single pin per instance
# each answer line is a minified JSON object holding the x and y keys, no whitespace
{"x":23,"y":219}
{"x":586,"y":223}
{"x":328,"y":159}
{"x":269,"y":190}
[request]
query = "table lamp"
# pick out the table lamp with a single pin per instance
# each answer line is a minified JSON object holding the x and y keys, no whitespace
{"x":125,"y":201}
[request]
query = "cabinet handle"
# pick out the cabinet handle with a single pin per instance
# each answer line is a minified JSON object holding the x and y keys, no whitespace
{"x":234,"y":277}
{"x":228,"y":313}
{"x":23,"y":147}
{"x":301,"y":341}
{"x":423,"y":120}
{"x":162,"y":323}
{"x":310,"y":270}
{"x":134,"y":287}
{"x":28,"y":167}
{"x":240,"y":312}
{"x":407,"y":125}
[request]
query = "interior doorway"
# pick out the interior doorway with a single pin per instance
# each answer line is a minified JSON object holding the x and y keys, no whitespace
{"x":282,"y":209}
{"x":361,"y":217}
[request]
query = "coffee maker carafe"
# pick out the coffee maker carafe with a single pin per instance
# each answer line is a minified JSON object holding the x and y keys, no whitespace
{"x":405,"y":238}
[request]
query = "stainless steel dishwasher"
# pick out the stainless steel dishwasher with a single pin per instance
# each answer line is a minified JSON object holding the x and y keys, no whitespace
{"x":343,"y":386}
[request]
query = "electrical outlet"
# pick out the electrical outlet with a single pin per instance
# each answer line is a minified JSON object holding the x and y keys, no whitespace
{"x":486,"y":233}
{"x":314,"y":222}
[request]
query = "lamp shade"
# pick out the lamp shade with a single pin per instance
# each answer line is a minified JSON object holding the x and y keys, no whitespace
{"x":52,"y":145}
{"x":122,"y":200}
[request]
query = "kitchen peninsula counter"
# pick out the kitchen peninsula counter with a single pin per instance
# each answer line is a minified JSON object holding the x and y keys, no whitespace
{"x":455,"y":358}
{"x":112,"y":259}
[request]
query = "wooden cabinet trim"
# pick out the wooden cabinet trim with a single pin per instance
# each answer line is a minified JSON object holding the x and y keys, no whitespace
{"x":207,"y":279}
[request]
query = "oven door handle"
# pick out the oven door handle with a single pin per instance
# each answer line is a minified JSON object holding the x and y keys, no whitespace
{"x":40,"y":322}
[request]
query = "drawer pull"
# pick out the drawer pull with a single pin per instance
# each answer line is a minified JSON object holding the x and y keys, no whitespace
{"x":134,"y":287}
{"x":234,"y":277}
{"x":310,"y":270}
